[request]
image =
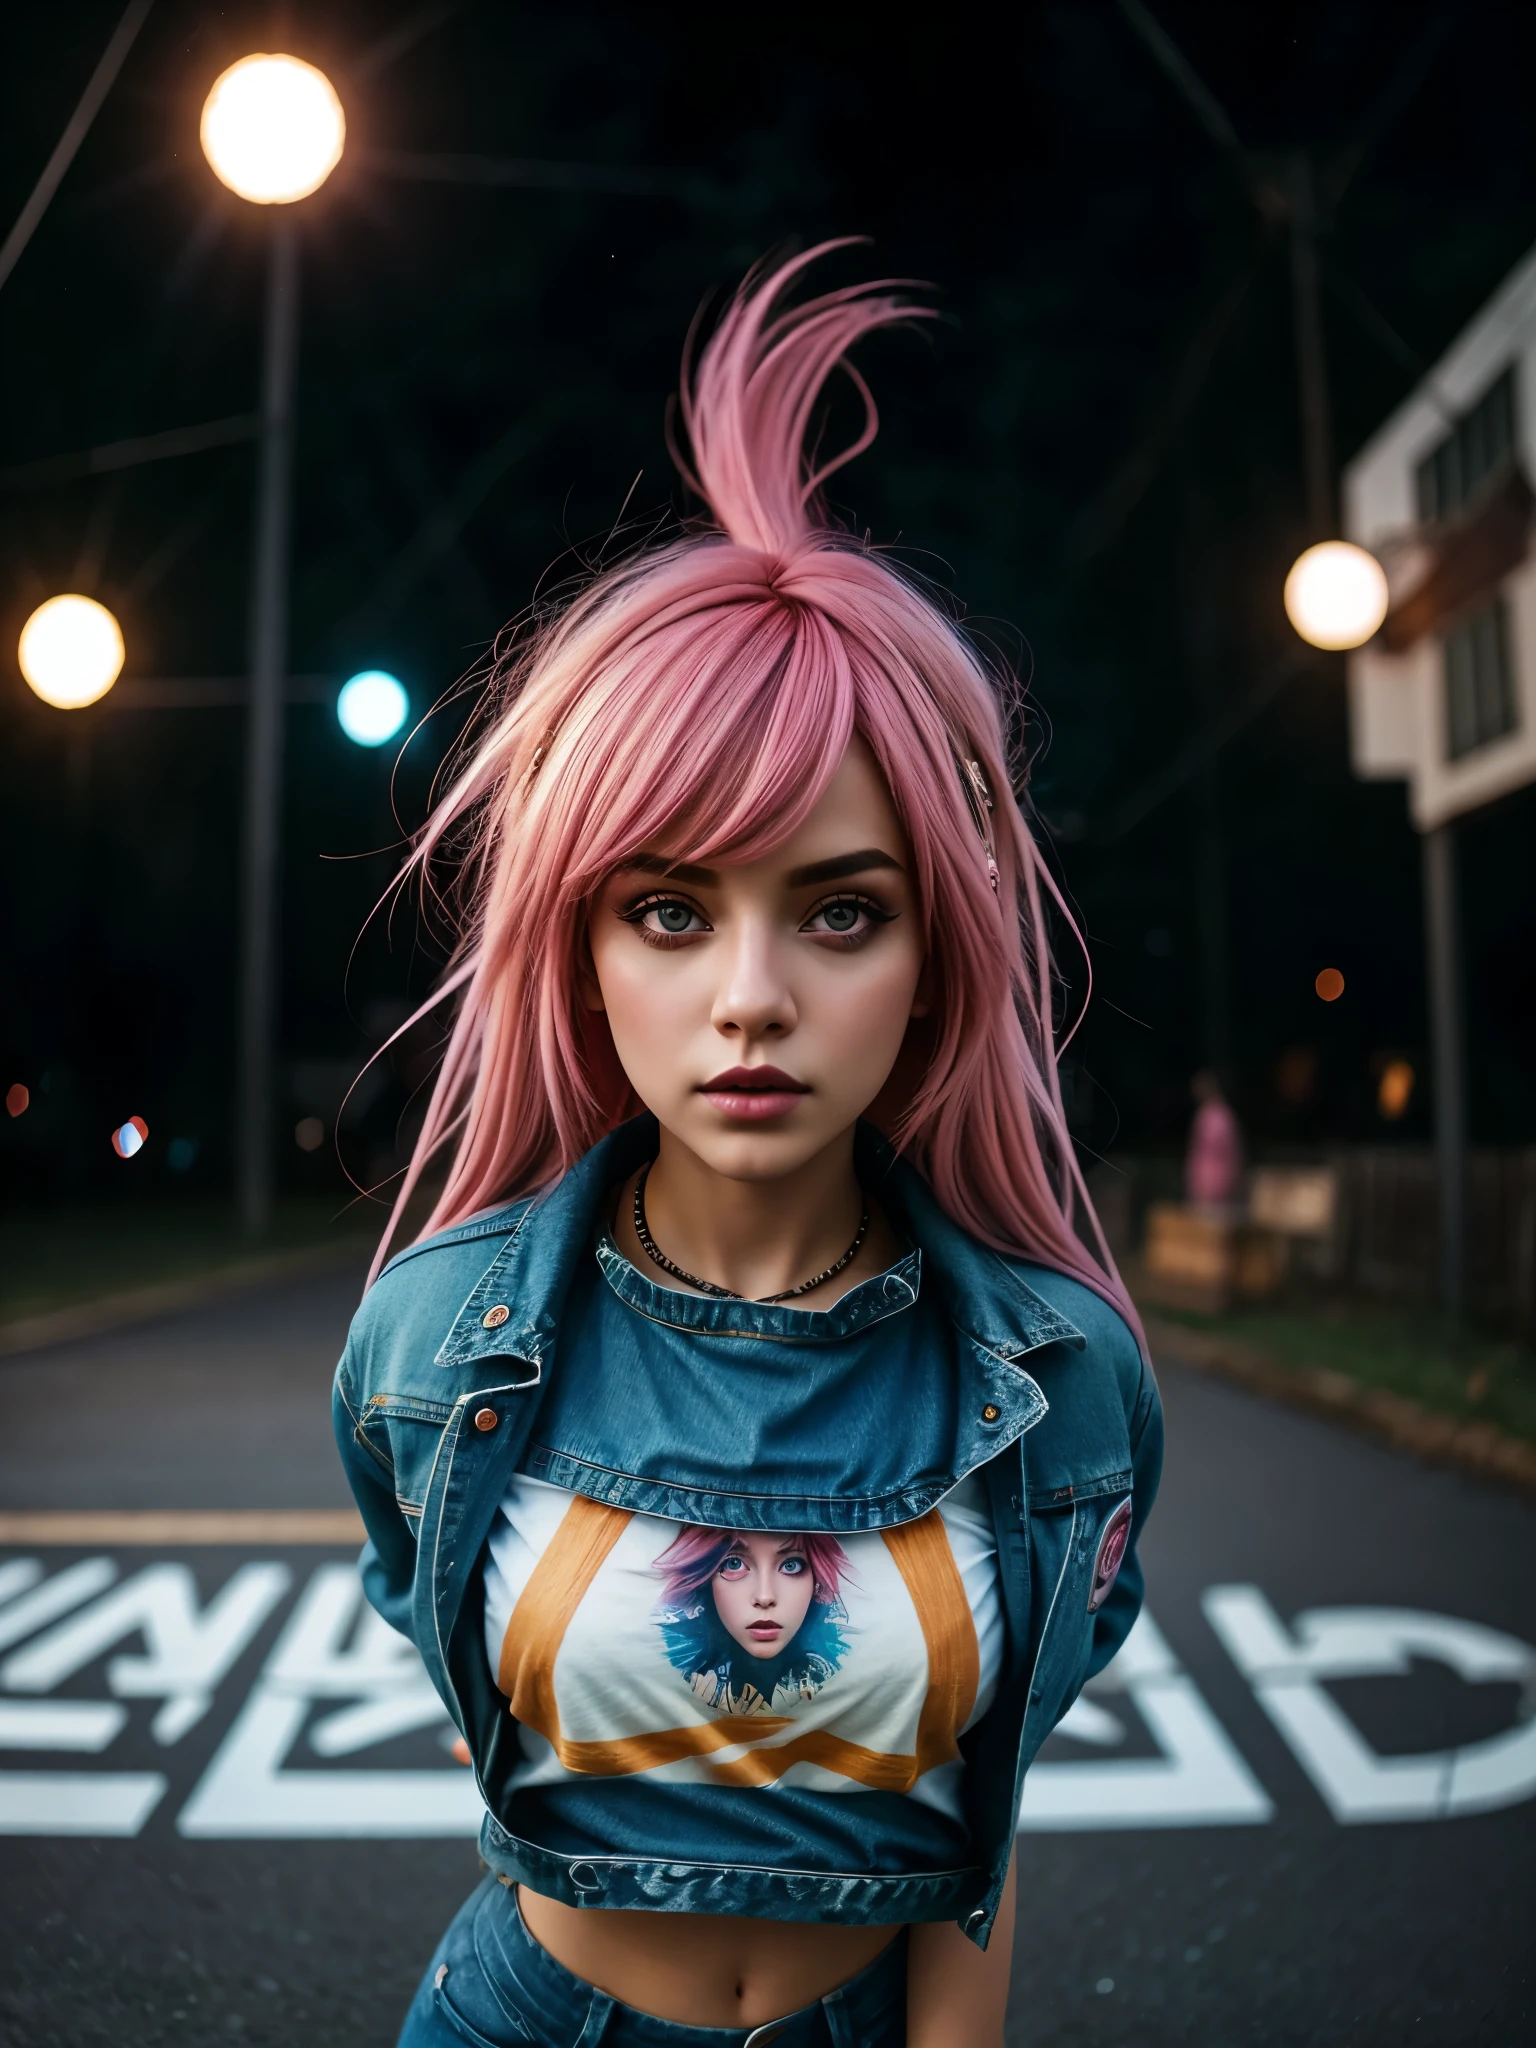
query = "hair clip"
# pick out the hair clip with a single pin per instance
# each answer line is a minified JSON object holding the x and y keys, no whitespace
{"x":539,"y":754}
{"x":978,"y":801}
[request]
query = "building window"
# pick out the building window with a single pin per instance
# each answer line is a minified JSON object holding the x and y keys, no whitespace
{"x":1479,"y":681}
{"x":1480,"y":443}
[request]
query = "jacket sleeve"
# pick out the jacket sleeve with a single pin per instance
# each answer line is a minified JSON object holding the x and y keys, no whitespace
{"x":1112,"y":1623}
{"x":388,"y":1561}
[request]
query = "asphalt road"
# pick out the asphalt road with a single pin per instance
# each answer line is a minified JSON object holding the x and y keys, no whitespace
{"x":1297,"y":1810}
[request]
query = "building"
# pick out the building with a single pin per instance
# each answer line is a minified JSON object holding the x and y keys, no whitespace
{"x":1445,"y":695}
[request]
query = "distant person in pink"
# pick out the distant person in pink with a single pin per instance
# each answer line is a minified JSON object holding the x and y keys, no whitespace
{"x":1213,"y":1165}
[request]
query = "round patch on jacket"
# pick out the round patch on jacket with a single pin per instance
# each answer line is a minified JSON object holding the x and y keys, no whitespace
{"x":1106,"y":1566}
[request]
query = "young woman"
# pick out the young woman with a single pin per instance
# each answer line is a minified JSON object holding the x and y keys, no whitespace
{"x":752,"y":1446}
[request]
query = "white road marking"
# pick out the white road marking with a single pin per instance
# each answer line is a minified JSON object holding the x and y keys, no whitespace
{"x":87,"y":1725}
{"x":190,"y":1649}
{"x":334,"y":1651}
{"x":1199,"y":1780}
{"x":1286,"y":1669}
{"x":247,"y":1793}
{"x":78,"y":1802}
{"x":17,"y":1575}
{"x":79,"y":1582}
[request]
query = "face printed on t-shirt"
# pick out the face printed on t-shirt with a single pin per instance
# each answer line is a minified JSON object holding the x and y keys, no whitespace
{"x":777,"y":1598}
{"x":762,"y":1588}
{"x":628,"y":1645}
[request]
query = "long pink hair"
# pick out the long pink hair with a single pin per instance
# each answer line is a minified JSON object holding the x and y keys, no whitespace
{"x":698,"y":697}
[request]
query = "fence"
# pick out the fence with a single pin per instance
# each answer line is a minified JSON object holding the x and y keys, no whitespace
{"x":1384,"y":1236}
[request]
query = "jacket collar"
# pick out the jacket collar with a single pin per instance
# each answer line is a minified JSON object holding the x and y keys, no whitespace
{"x":513,"y":1309}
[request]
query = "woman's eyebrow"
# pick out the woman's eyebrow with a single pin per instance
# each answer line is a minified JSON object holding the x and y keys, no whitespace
{"x":674,"y":870}
{"x":842,"y":865}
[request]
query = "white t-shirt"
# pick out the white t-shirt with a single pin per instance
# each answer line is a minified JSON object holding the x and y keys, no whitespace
{"x":632,"y":1646}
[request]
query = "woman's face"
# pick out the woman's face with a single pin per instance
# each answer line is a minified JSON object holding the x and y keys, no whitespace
{"x":763,"y":1589}
{"x":758,"y":1010}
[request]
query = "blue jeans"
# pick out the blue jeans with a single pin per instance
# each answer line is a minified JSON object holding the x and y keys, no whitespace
{"x":492,"y":1985}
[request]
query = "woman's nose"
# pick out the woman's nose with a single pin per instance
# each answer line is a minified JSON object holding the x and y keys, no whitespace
{"x":753,"y":999}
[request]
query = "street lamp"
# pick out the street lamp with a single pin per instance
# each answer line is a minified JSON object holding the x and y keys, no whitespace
{"x":372,"y":707}
{"x":273,"y":130}
{"x":71,"y":651}
{"x":1336,"y":595}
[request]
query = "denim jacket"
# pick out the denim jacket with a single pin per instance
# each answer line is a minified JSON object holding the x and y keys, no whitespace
{"x":436,"y":1399}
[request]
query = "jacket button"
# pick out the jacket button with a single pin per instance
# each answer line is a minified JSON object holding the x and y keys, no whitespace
{"x":990,"y":1413}
{"x":486,"y":1418}
{"x":495,"y":1317}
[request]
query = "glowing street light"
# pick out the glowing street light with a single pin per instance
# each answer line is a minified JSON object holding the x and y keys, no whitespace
{"x":273,"y":129}
{"x":71,"y":651}
{"x":1336,"y":595}
{"x":372,"y":707}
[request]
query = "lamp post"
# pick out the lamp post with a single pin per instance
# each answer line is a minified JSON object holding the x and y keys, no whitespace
{"x":273,"y":130}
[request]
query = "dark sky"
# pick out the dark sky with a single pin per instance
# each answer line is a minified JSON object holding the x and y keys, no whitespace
{"x":483,"y":378}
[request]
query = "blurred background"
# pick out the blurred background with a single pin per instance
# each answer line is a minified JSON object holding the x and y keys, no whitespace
{"x":1218,"y":284}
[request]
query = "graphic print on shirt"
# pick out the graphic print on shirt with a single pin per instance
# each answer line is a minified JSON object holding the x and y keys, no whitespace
{"x":752,"y":1620}
{"x":736,"y":1658}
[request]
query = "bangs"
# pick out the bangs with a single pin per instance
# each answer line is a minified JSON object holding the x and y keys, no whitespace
{"x":706,"y":738}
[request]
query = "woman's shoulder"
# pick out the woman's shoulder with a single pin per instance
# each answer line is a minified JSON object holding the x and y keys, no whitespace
{"x":410,"y":1308}
{"x":1100,"y":1389}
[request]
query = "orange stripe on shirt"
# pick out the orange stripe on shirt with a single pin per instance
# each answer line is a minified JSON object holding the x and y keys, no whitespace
{"x":561,"y":1580}
{"x":525,"y":1671}
{"x":927,"y":1564}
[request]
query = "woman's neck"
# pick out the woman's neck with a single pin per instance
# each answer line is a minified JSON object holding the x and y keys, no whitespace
{"x":756,"y":1237}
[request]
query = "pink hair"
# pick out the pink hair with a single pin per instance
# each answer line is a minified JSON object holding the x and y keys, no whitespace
{"x":691,"y":1560}
{"x":699,"y":697}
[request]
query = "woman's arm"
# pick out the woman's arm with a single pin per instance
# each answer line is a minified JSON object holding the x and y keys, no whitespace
{"x":956,"y":1994}
{"x":388,"y":1562}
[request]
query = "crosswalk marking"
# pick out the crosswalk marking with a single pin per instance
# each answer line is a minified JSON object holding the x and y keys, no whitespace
{"x":338,"y":1682}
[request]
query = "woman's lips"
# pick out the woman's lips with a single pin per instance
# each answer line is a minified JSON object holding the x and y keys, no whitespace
{"x":753,"y":1094}
{"x":765,"y":1631}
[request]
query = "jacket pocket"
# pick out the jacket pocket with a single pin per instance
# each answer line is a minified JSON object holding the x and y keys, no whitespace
{"x":401,"y":1433}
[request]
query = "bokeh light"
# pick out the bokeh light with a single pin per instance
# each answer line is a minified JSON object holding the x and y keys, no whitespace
{"x":1394,"y":1089}
{"x":372,"y":707}
{"x":17,"y":1096}
{"x":71,"y":651}
{"x":180,"y":1154}
{"x":1336,"y":595}
{"x":273,"y":129}
{"x":129,"y":1138}
{"x":309,"y":1134}
{"x":1329,"y":985}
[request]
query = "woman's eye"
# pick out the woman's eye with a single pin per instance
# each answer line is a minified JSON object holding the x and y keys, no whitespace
{"x":733,"y":1567}
{"x":665,"y":917}
{"x":792,"y":1567}
{"x":846,"y":917}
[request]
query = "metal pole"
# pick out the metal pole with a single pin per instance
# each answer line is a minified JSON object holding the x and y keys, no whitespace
{"x":1443,"y":948}
{"x":264,"y":732}
{"x":1311,"y":358}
